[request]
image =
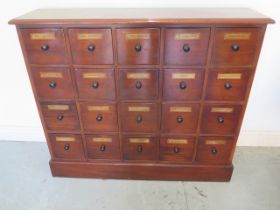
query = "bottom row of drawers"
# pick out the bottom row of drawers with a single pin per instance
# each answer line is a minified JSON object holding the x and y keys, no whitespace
{"x":210,"y":150}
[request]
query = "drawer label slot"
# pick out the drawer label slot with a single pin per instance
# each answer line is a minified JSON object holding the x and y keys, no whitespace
{"x":187,"y":36}
{"x":177,"y":141}
{"x":58,"y":107}
{"x":138,"y":109}
{"x":215,"y":142}
{"x":98,"y":108}
{"x":222,"y":110}
{"x":94,"y":75}
{"x":229,"y":76}
{"x":138,"y":75}
{"x":101,"y":139}
{"x":180,"y":109}
{"x":237,"y":36}
{"x":65,"y":138}
{"x":42,"y":36}
{"x":139,"y":140}
{"x":82,"y":36}
{"x":138,"y":36}
{"x":183,"y":75}
{"x":51,"y":75}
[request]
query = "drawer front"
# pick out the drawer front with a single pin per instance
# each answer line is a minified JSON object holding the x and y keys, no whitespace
{"x":176,"y":148}
{"x":214,"y":150}
{"x":96,"y":83}
{"x":44,"y":46}
{"x":228,"y":85}
{"x":99,"y":116}
{"x":139,"y":148}
{"x":181,"y":84}
{"x":138,"y":45}
{"x":138,"y":84}
{"x":220,"y":119}
{"x":186,"y":46}
{"x":60,"y":116}
{"x":91,"y":46}
{"x":139,"y":117}
{"x":103,"y":146}
{"x":179,"y":118}
{"x":67,"y":146}
{"x":235,"y":46}
{"x":53,"y":83}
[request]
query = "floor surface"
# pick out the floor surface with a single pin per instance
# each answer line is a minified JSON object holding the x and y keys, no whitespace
{"x":26,"y":184}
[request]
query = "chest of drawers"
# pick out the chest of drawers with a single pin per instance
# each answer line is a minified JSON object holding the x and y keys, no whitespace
{"x":142,"y":93}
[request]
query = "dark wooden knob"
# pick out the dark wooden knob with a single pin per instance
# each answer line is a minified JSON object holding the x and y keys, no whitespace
{"x":95,"y":85}
{"x":139,"y":119}
{"x":102,"y":148}
{"x":60,"y":117}
{"x":99,"y":118}
{"x":186,"y":48}
{"x":138,"y":47}
{"x":45,"y":47}
{"x":227,"y":85}
{"x":66,"y":147}
{"x":221,"y":119}
{"x":91,"y":48}
{"x":235,"y":47}
{"x":182,"y":85}
{"x":139,"y":148}
{"x":214,"y":151}
{"x":180,"y":119}
{"x":52,"y":84}
{"x":138,"y":85}
{"x":176,"y":149}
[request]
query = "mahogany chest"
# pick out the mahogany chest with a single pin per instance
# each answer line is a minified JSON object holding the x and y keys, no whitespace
{"x":142,"y":93}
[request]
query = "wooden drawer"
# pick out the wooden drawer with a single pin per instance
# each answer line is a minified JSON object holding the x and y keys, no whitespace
{"x":67,"y":146}
{"x":139,"y":117}
{"x":44,"y":46}
{"x":91,"y":46}
{"x":139,"y":147}
{"x":176,"y":148}
{"x":99,"y":116}
{"x":53,"y":83}
{"x":235,"y":46}
{"x":186,"y":46}
{"x":230,"y":85}
{"x":60,"y":116}
{"x":138,"y":84}
{"x":214,"y":150}
{"x":182,"y":84}
{"x":96,"y":83}
{"x":138,"y":45}
{"x":103,"y":146}
{"x":220,"y":119}
{"x":179,"y":118}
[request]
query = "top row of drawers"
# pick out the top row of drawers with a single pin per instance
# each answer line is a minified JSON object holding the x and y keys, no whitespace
{"x":182,"y":46}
